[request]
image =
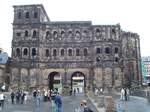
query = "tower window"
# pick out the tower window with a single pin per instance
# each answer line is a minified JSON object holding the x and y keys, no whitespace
{"x":18,"y":52}
{"x":54,"y":52}
{"x":26,"y":33}
{"x":70,"y":52}
{"x":98,"y":50}
{"x":19,"y":15}
{"x":47,"y":53}
{"x":116,"y":59}
{"x":35,"y":14}
{"x":33,"y":51}
{"x":18,"y":34}
{"x":62,"y":52}
{"x":34,"y":33}
{"x":116,"y":50}
{"x":25,"y":51}
{"x":107,"y":50}
{"x":85,"y":52}
{"x":77,"y":52}
{"x":27,"y":15}
{"x":113,"y":31}
{"x":47,"y":34}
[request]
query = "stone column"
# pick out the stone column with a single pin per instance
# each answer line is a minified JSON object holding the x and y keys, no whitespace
{"x":109,"y":106}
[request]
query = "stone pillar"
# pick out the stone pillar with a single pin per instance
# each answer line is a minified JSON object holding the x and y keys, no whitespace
{"x":109,"y":106}
{"x":101,"y":101}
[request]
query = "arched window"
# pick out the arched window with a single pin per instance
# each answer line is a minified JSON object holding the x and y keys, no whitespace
{"x":98,"y":50}
{"x":47,"y":53}
{"x":26,"y":33}
{"x":34,"y":33}
{"x":18,"y":52}
{"x":25,"y":51}
{"x":47,"y":34}
{"x":77,"y":52}
{"x":70,"y":52}
{"x":77,"y":33}
{"x":113,"y":31}
{"x":98,"y":59}
{"x":85,"y":52}
{"x":70,"y":33}
{"x":62,"y":52}
{"x":107,"y":50}
{"x":35,"y":14}
{"x":33,"y":52}
{"x":55,"y":34}
{"x":27,"y":15}
{"x":19,"y":15}
{"x":97,"y":32}
{"x":85,"y":32}
{"x":116,"y":49}
{"x":62,"y":33}
{"x":54,"y":52}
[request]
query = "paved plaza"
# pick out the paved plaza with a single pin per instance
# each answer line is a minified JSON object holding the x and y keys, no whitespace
{"x":70,"y":103}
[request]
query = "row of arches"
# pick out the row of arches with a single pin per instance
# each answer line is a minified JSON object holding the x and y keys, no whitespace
{"x":62,"y":33}
{"x":63,"y":52}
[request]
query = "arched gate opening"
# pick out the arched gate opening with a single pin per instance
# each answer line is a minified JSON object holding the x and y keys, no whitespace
{"x":55,"y":81}
{"x":78,"y":82}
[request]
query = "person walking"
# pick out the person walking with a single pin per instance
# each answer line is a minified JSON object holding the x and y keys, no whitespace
{"x":53,"y":105}
{"x":84,"y":107}
{"x":128,"y":94}
{"x":122,"y":94}
{"x":2,"y":98}
{"x":58,"y":102}
{"x":12,"y":97}
{"x":74,"y":91}
{"x":125,"y":94}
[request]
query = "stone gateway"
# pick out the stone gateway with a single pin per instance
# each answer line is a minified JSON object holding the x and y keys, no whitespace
{"x":71,"y":54}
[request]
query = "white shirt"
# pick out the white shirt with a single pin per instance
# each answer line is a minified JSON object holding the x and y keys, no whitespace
{"x":1,"y":96}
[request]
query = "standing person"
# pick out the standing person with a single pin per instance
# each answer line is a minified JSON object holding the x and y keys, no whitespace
{"x":12,"y":97}
{"x":2,"y":97}
{"x":122,"y":94}
{"x":53,"y":105}
{"x":37,"y":102}
{"x":70,"y":92}
{"x":128,"y":94}
{"x":125,"y":94}
{"x":22,"y":97}
{"x":74,"y":91}
{"x":58,"y":102}
{"x":84,"y":107}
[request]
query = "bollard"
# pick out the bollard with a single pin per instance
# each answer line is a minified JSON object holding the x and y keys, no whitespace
{"x":109,"y":104}
{"x":101,"y":101}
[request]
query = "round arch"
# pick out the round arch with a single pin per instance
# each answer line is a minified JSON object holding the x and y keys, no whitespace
{"x":55,"y":81}
{"x":78,"y":82}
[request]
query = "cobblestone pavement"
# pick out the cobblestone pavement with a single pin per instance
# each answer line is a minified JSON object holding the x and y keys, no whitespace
{"x":135,"y":104}
{"x":69,"y":104}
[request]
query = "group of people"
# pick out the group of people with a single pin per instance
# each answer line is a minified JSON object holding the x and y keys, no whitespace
{"x":53,"y":96}
{"x":125,"y":94}
{"x":19,"y":95}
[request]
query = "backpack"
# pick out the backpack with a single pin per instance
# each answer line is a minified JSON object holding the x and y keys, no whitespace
{"x":87,"y":109}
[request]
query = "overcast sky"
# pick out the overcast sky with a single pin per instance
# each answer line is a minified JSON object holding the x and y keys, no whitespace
{"x":133,"y":15}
